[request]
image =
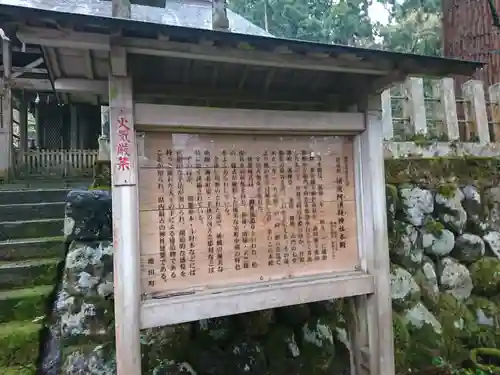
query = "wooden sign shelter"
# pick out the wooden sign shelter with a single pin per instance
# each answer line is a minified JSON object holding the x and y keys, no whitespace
{"x":247,"y":172}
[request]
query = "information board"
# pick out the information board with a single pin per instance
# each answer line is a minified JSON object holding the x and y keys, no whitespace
{"x":218,"y":210}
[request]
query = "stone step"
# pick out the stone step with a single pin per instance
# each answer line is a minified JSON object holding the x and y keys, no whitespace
{"x":19,"y":344}
{"x":29,"y":211}
{"x":18,"y":196}
{"x":22,"y":249}
{"x":29,"y":369}
{"x":24,"y":304}
{"x":11,"y":230}
{"x":28,"y":273}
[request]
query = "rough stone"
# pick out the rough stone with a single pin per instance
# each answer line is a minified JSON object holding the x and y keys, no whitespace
{"x":427,"y":280}
{"x":468,"y":248}
{"x":454,"y":278}
{"x":406,"y":250}
{"x":418,"y":316}
{"x":417,"y":203}
{"x":100,"y":361}
{"x":167,"y":367}
{"x":318,"y":347}
{"x":492,"y":240}
{"x":493,"y":217}
{"x":472,"y":202}
{"x":404,"y":290}
{"x":88,"y":215}
{"x":438,"y":245}
{"x":451,"y":212}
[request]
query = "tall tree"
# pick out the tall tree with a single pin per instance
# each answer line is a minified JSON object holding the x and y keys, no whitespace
{"x":327,"y":21}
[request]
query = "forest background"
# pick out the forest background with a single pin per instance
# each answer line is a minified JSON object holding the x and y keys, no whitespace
{"x":412,"y":26}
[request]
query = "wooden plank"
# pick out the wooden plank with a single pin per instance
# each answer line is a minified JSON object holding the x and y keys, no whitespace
{"x":494,"y":93}
{"x":125,"y":212}
{"x":205,"y":118}
{"x":448,"y":108}
{"x":226,"y":209}
{"x":475,"y":111}
{"x":376,"y":309}
{"x":260,"y":296}
{"x":414,"y":105}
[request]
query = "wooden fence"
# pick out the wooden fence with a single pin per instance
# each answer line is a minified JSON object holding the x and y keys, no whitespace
{"x":55,"y":163}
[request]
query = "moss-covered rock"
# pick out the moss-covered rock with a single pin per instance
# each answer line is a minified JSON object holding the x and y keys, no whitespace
{"x":454,"y":278}
{"x":426,"y":278}
{"x":468,"y":248}
{"x":166,"y":367}
{"x":405,"y":292}
{"x":487,"y":313}
{"x":450,"y":211}
{"x":405,"y":246}
{"x":317,"y":347}
{"x":417,"y":204}
{"x":101,"y":360}
{"x":165,"y":342}
{"x":432,"y":172}
{"x":485,"y":275}
{"x":102,"y":174}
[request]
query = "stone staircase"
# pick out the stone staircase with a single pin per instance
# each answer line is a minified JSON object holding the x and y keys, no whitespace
{"x":31,"y":247}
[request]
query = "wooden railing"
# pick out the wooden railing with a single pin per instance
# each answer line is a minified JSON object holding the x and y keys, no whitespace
{"x":424,"y":117}
{"x":55,"y":163}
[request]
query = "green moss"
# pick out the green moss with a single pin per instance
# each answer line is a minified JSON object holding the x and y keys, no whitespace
{"x":18,"y":370}
{"x":434,"y":172}
{"x":23,"y":304}
{"x":485,"y":275}
{"x":102,"y":173}
{"x":401,"y":342}
{"x":22,"y":274}
{"x":447,"y":190}
{"x":19,"y":343}
{"x":279,"y":348}
{"x":434,"y":227}
{"x":425,"y":344}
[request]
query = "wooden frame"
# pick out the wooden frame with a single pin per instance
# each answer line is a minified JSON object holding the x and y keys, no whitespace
{"x":372,"y":339}
{"x":222,"y":119}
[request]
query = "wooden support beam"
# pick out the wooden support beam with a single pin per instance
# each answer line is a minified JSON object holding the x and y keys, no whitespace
{"x":124,"y":175}
{"x":92,"y":41}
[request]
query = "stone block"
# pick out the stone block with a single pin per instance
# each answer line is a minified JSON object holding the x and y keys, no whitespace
{"x":88,"y":216}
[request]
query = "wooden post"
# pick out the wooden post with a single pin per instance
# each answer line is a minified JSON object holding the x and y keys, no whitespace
{"x":124,"y":175}
{"x":475,"y":111}
{"x":414,"y":105}
{"x":448,"y":108}
{"x":387,"y":115}
{"x":219,"y":15}
{"x":494,"y":93}
{"x":374,"y":336}
{"x":6,"y":154}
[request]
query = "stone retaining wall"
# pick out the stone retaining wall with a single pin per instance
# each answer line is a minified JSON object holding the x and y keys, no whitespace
{"x":444,"y":224}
